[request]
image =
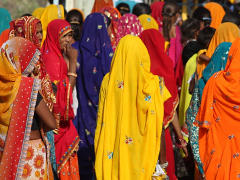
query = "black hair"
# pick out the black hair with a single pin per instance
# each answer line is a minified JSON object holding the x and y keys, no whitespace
{"x":205,"y":36}
{"x":123,"y":8}
{"x":202,"y":14}
{"x":75,"y":13}
{"x":189,"y":29}
{"x":26,"y":14}
{"x":170,"y":9}
{"x":231,"y":17}
{"x":141,"y":8}
{"x":189,"y":50}
{"x":76,"y":25}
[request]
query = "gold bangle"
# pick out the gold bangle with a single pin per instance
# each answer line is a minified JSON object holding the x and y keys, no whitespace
{"x":72,"y":74}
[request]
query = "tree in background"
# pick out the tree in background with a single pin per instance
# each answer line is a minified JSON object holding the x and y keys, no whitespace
{"x":20,"y":7}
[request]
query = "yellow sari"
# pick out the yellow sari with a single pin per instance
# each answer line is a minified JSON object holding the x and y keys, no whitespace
{"x":148,"y":22}
{"x":130,"y":115}
{"x":50,"y":13}
{"x":37,"y":13}
{"x":185,"y":97}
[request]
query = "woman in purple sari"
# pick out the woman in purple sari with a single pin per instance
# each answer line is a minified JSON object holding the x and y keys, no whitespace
{"x":95,"y":55}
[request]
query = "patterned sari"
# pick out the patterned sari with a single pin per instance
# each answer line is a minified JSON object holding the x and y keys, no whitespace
{"x":130,"y":115}
{"x":114,"y":15}
{"x":66,"y":138}
{"x":18,"y":94}
{"x":217,"y":63}
{"x":129,"y":24}
{"x":95,"y":59}
{"x":26,"y":27}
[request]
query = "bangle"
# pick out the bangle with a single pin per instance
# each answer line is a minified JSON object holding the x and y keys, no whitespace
{"x":72,"y":74}
{"x":182,"y":144}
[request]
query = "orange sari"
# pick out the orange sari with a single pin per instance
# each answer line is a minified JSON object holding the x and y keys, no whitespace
{"x":219,"y":121}
{"x":217,"y":13}
{"x":226,"y":32}
{"x":99,"y":4}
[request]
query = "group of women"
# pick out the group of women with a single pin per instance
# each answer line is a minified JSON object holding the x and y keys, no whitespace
{"x":120,"y":95}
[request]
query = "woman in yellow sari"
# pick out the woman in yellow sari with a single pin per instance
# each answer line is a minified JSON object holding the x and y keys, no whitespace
{"x":130,"y":115}
{"x":148,"y":22}
{"x":50,"y":13}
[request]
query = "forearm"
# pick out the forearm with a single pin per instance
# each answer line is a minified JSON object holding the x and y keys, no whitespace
{"x":162,"y":155}
{"x":72,"y":70}
{"x":176,"y":126}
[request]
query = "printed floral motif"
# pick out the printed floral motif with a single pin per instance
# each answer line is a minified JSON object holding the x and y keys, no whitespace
{"x":94,"y":70}
{"x":148,"y":98}
{"x":120,"y":84}
{"x":42,"y":171}
{"x":87,"y":132}
{"x":37,"y":173}
{"x":26,"y":171}
{"x":89,"y":103}
{"x":38,"y":161}
{"x":30,"y":153}
{"x":99,"y":26}
{"x":110,"y":155}
{"x":128,"y":140}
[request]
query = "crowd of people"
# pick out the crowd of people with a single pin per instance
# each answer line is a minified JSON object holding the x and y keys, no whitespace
{"x":120,"y":94}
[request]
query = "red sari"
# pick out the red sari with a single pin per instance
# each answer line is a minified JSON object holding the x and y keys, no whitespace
{"x":162,"y":65}
{"x":66,"y":139}
{"x":18,"y":96}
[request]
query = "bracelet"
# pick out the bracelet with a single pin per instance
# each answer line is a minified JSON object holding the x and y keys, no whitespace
{"x":72,"y":74}
{"x":182,"y":144}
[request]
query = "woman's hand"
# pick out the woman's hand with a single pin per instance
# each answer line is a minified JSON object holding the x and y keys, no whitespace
{"x":71,"y":53}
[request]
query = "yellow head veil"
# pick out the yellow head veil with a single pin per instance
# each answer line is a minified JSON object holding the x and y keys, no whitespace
{"x":130,"y":115}
{"x":37,"y":13}
{"x":226,"y":32}
{"x":50,"y":13}
{"x":148,"y":22}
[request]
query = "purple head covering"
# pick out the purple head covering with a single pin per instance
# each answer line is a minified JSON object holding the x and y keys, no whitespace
{"x":95,"y":55}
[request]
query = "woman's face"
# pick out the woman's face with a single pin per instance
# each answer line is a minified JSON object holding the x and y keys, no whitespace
{"x":39,"y":34}
{"x":65,"y":40}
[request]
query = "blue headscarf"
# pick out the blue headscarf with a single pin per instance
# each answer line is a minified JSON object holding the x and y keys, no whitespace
{"x":95,"y":55}
{"x":217,"y":63}
{"x":4,"y":20}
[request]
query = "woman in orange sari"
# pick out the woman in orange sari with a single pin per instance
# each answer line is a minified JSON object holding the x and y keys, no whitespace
{"x":226,"y":32}
{"x":219,"y":121}
{"x":217,"y":13}
{"x":99,"y":4}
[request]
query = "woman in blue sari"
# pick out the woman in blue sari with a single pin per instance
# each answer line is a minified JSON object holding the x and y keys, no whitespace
{"x":4,"y":20}
{"x":95,"y":55}
{"x":217,"y":63}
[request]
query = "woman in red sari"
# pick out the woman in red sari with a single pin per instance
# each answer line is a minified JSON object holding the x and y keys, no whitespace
{"x":23,"y":151}
{"x":162,"y":65}
{"x":30,"y":28}
{"x":59,"y":36}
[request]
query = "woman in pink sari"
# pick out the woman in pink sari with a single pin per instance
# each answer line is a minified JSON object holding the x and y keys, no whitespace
{"x":128,"y":24}
{"x":59,"y":36}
